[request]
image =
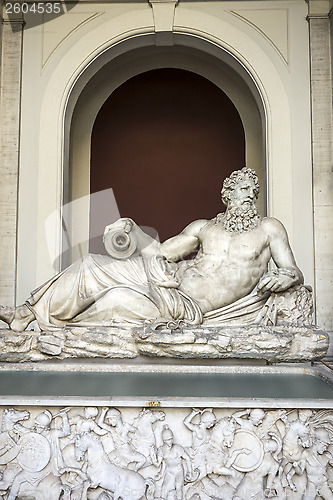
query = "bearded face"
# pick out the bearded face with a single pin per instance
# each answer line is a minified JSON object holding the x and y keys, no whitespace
{"x":240,"y":219}
{"x":242,"y":212}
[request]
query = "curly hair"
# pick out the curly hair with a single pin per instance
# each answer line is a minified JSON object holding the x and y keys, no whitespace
{"x":231,"y":182}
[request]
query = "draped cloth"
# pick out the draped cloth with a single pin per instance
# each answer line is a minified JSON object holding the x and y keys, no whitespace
{"x":99,"y":290}
{"x":244,"y":311}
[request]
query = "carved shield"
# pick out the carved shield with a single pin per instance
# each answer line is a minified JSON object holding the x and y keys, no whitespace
{"x":35,"y":452}
{"x":250,"y":460}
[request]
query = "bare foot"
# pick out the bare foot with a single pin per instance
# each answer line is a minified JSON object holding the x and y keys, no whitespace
{"x":7,"y":314}
{"x":23,"y":316}
{"x":17,"y":318}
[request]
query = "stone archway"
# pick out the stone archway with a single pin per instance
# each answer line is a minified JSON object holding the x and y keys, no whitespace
{"x":123,"y":40}
{"x":97,"y":64}
{"x":121,"y":69}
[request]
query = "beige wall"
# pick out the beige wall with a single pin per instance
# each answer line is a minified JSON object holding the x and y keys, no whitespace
{"x":264,"y":42}
{"x":10,"y":99}
{"x":321,"y":27}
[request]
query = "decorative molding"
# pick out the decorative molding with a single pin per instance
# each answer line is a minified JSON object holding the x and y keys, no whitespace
{"x":18,"y":21}
{"x":13,"y":19}
{"x":284,"y":54}
{"x":310,"y":17}
{"x":57,"y":45}
{"x":319,"y":9}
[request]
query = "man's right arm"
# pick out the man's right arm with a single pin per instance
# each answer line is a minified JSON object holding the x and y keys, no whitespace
{"x":287,"y":274}
{"x":184,"y":243}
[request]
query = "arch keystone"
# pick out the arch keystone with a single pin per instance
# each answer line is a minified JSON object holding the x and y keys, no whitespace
{"x":164,"y":14}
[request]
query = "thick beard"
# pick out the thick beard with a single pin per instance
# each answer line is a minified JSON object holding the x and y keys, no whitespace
{"x":238,"y":219}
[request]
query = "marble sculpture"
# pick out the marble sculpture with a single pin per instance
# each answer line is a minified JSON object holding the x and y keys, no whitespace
{"x":149,"y":287}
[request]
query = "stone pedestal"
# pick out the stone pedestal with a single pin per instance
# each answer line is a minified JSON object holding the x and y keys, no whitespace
{"x":273,"y":344}
{"x":138,"y":436}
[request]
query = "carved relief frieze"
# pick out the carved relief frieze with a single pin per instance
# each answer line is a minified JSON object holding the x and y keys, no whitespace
{"x":110,"y":453}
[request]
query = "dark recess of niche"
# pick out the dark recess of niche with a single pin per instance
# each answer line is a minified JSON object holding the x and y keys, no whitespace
{"x":164,"y":141}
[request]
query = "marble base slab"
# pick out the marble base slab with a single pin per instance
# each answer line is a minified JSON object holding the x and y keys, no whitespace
{"x":274,"y":344}
{"x":278,"y":343}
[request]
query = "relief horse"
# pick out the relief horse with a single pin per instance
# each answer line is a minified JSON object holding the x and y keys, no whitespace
{"x":297,"y":438}
{"x":144,"y":437}
{"x":25,"y":486}
{"x":14,"y":479}
{"x":11,"y":430}
{"x":123,"y":483}
{"x":11,"y":416}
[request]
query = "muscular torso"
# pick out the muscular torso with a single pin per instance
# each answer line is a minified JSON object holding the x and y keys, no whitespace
{"x":172,"y":456}
{"x":228,"y":265}
{"x":316,"y":467}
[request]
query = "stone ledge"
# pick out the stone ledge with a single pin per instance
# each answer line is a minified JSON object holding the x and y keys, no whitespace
{"x":276,"y":344}
{"x":270,"y":343}
{"x":75,"y":342}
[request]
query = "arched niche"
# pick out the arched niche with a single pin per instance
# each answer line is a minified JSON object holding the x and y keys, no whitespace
{"x":162,"y":142}
{"x":236,"y":63}
{"x":122,"y":43}
{"x":96,"y":86}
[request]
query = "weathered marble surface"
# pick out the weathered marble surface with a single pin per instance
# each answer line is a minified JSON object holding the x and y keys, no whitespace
{"x":254,"y":342}
{"x":282,"y":332}
{"x":202,"y":454}
{"x":67,"y":343}
{"x":281,"y":343}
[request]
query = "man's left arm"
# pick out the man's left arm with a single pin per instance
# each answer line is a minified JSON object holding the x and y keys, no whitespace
{"x":287,"y":273}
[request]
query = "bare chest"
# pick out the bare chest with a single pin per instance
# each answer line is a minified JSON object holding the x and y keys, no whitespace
{"x":218,"y":243}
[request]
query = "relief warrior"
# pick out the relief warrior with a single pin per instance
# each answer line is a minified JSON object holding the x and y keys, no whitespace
{"x":220,"y":453}
{"x":123,"y":483}
{"x":11,"y":431}
{"x":142,"y":280}
{"x":315,"y":461}
{"x":231,"y":457}
{"x":296,"y":438}
{"x":261,"y":482}
{"x":144,"y":436}
{"x":175,"y":466}
{"x":35,"y":469}
{"x":124,"y":453}
{"x":253,"y":421}
{"x":201,"y":435}
{"x":87,"y":423}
